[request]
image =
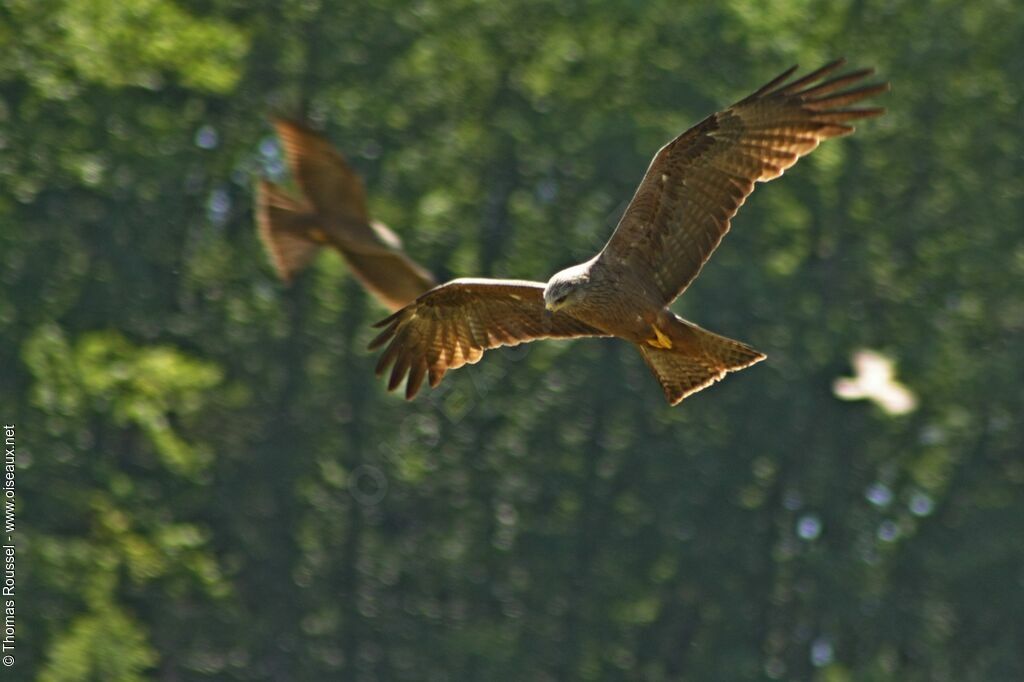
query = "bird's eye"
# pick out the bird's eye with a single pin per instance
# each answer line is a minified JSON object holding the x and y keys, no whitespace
{"x":561,"y":299}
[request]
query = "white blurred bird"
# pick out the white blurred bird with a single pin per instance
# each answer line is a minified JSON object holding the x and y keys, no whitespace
{"x":874,"y":380}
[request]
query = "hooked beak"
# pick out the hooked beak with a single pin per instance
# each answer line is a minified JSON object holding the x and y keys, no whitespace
{"x":549,"y":305}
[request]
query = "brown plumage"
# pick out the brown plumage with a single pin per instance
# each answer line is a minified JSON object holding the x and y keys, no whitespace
{"x":332,"y":213}
{"x":679,"y":214}
{"x":428,"y":340}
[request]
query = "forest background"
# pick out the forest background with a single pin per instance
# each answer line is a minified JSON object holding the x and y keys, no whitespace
{"x":213,"y":485}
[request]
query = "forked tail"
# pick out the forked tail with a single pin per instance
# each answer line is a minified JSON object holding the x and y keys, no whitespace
{"x":697,"y":360}
{"x":286,"y":230}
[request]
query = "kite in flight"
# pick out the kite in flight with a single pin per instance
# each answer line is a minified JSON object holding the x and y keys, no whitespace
{"x":333,"y":213}
{"x":679,"y":214}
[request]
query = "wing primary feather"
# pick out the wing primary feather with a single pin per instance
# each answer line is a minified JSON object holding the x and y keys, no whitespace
{"x":464,"y":337}
{"x":383,"y":336}
{"x":794,"y":87}
{"x":432,"y":344}
{"x":447,"y":347}
{"x":841,"y":115}
{"x":387,"y":320}
{"x":399,"y":371}
{"x":436,"y":373}
{"x":416,"y":374}
{"x":771,"y":135}
{"x":847,"y":96}
{"x":767,"y":87}
{"x":387,"y":357}
{"x":833,"y":84}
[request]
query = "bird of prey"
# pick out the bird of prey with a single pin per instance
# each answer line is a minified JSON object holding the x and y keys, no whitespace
{"x":680,"y":212}
{"x":333,"y":213}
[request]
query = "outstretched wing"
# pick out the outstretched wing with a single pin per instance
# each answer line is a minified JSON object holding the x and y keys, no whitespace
{"x":453,"y":324}
{"x":322,"y":173}
{"x":697,"y":182}
{"x":394,"y":277}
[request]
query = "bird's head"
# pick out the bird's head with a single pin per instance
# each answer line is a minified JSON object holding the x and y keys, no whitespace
{"x":564,"y":287}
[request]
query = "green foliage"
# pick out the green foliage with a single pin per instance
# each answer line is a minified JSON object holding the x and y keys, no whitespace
{"x":103,"y":643}
{"x":213,"y":485}
{"x":141,"y":387}
{"x":117,"y":43}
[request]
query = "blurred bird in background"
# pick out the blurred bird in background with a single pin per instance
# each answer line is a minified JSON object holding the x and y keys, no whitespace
{"x":332,"y":212}
{"x":875,"y":380}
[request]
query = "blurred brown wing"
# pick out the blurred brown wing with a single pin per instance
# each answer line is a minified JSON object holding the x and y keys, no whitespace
{"x":697,"y":182}
{"x":393,"y":277}
{"x":453,"y":324}
{"x":322,"y":173}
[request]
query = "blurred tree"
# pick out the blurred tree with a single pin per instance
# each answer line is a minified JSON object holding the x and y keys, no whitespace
{"x":212,"y":485}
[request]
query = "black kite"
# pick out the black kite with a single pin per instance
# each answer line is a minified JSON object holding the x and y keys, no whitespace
{"x":332,"y":213}
{"x":679,"y":214}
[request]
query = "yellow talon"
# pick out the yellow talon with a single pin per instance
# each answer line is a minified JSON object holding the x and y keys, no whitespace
{"x":660,"y":340}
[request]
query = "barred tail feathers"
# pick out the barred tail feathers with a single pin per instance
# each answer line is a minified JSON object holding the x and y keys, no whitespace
{"x":702,"y":360}
{"x":286,"y":229}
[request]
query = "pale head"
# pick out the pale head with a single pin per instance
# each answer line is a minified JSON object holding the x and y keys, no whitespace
{"x":565,"y":287}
